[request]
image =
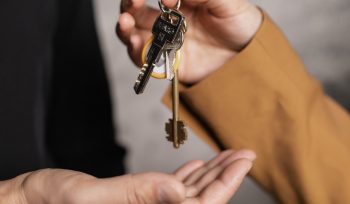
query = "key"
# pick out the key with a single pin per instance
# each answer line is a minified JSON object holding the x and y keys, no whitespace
{"x":159,"y":70}
{"x":168,"y":71}
{"x":175,"y":128}
{"x":170,"y":54}
{"x":165,"y":30}
{"x":170,"y":58}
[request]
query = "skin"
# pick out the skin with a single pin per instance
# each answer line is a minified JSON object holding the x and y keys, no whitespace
{"x":216,"y":28}
{"x":195,"y":182}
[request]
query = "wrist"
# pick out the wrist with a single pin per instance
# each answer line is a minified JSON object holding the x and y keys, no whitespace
{"x":34,"y":188}
{"x":54,"y":186}
{"x":45,"y":186}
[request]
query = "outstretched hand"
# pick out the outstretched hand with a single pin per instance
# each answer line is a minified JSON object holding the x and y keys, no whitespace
{"x":218,"y":29}
{"x":195,"y":182}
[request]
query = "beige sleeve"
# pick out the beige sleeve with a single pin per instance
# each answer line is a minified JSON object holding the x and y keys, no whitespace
{"x":264,"y":100}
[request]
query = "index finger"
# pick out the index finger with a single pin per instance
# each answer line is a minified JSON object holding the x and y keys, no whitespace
{"x":222,"y":189}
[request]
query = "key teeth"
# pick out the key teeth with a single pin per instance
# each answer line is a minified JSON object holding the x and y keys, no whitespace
{"x":168,"y":130}
{"x":182,"y":136}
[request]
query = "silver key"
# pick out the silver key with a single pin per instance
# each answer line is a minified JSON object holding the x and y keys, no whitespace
{"x":168,"y":67}
{"x":165,"y":30}
{"x":170,"y":54}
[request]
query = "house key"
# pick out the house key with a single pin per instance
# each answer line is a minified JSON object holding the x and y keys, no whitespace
{"x":165,"y":30}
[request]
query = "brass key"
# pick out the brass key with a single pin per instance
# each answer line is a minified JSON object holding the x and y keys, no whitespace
{"x":175,"y":128}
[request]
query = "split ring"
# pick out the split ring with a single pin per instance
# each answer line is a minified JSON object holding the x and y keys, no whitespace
{"x":159,"y":72}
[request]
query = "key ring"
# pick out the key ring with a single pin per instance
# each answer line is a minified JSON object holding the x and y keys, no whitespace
{"x":159,"y":72}
{"x":167,"y":10}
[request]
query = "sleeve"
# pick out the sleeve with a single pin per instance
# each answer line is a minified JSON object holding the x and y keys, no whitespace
{"x":264,"y":100}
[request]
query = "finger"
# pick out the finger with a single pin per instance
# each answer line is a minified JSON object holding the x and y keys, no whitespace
{"x":187,"y":169}
{"x":125,"y":27}
{"x":172,"y":3}
{"x":151,"y":187}
{"x":131,"y":6}
{"x":222,"y":189}
{"x":166,"y":188}
{"x":213,"y":173}
{"x":135,"y":48}
{"x":218,"y":8}
{"x":240,"y":154}
{"x":143,"y":14}
{"x":201,"y":171}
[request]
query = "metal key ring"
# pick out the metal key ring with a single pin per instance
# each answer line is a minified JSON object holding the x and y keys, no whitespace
{"x":154,"y":74}
{"x":167,"y":10}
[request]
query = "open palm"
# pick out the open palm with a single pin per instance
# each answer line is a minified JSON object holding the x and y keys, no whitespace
{"x":218,"y":29}
{"x":196,"y":182}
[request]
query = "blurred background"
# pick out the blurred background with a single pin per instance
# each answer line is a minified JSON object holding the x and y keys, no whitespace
{"x":318,"y":30}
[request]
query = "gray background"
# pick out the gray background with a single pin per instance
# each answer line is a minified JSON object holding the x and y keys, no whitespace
{"x":318,"y":29}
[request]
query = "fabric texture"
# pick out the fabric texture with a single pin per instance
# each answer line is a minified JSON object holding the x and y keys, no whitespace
{"x":55,"y":108}
{"x":263,"y":99}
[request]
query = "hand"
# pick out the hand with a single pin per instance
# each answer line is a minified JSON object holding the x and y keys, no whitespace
{"x":195,"y":182}
{"x":218,"y":29}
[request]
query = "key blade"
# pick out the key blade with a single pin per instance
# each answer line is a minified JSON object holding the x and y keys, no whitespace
{"x":182,"y":132}
{"x":168,"y":127}
{"x":167,"y":65}
{"x":143,"y":78}
{"x":169,"y":130}
{"x":147,"y":69}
